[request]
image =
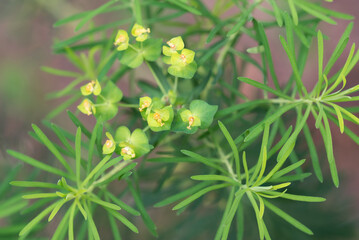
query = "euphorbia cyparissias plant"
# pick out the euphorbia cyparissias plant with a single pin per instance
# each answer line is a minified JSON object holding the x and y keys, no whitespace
{"x":187,"y":120}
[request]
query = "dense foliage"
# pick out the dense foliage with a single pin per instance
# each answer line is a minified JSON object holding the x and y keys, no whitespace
{"x":191,"y":138}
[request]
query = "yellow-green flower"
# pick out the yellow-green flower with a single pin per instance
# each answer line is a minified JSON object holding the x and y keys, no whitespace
{"x":140,"y":32}
{"x":87,"y":107}
{"x":121,"y":40}
{"x":184,"y":58}
{"x":92,"y":87}
{"x":175,"y":44}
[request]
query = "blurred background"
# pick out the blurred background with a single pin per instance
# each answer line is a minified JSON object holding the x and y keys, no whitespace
{"x":26,"y":36}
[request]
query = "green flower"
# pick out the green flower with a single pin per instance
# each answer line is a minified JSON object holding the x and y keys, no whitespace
{"x":87,"y":107}
{"x":189,"y":118}
{"x":140,"y":32}
{"x":121,"y":40}
{"x":160,"y":119}
{"x":175,"y":44}
{"x":145,"y":102}
{"x":92,"y":87}
{"x":183,"y":59}
{"x":110,"y":145}
{"x":132,"y":145}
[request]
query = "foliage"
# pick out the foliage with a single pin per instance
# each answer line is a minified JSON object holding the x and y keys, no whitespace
{"x":245,"y":153}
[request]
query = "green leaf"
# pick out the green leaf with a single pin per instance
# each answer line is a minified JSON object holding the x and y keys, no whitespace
{"x":106,"y":106}
{"x":296,"y":197}
{"x":310,"y":8}
{"x":78,"y":123}
{"x":199,"y":194}
{"x":93,"y":13}
{"x":63,"y":106}
{"x":342,"y":43}
{"x":146,"y":218}
{"x":293,"y":63}
{"x":38,"y":164}
{"x":281,"y":142}
{"x":214,"y":178}
{"x":140,"y":143}
{"x":287,"y":169}
{"x":132,"y":57}
{"x":277,"y":13}
{"x":151,"y":50}
{"x":105,"y":204}
{"x":96,"y":169}
{"x":230,"y":215}
{"x":12,"y":206}
{"x":56,"y":209}
{"x":92,"y":226}
{"x":27,"y":229}
{"x":71,"y":221}
{"x":313,"y":153}
{"x":187,"y":71}
{"x":204,"y":112}
{"x":263,"y":87}
{"x":320,"y":61}
{"x":256,"y":210}
{"x":59,"y":72}
{"x":182,"y":194}
{"x":35,"y":184}
{"x":39,"y":195}
{"x":267,"y":51}
{"x":293,"y":11}
{"x":233,"y":147}
{"x":123,"y":205}
{"x":62,"y":227}
{"x":186,"y":7}
{"x":242,"y":19}
{"x":203,"y":160}
{"x":287,"y":218}
{"x":124,"y":220}
{"x":51,"y":147}
{"x":78,"y":155}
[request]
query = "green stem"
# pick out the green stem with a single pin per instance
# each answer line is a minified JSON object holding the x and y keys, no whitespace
{"x":133,"y":47}
{"x":175,"y":85}
{"x":108,"y":175}
{"x":127,"y":105}
{"x":219,"y":62}
{"x":157,"y":79}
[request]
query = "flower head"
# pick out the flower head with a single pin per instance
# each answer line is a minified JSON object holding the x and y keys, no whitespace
{"x":121,"y":40}
{"x":87,"y":107}
{"x":182,"y":59}
{"x":175,"y":44}
{"x":91,"y":87}
{"x":110,"y":145}
{"x":140,"y":32}
{"x":145,"y":102}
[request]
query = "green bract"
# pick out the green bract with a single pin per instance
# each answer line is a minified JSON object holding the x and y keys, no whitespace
{"x":121,"y":40}
{"x":110,"y":145}
{"x":186,"y":71}
{"x":140,"y":32}
{"x":149,"y":50}
{"x":92,"y":87}
{"x":160,"y":119}
{"x":182,"y":59}
{"x":200,"y":115}
{"x":175,"y":44}
{"x":106,"y":104}
{"x":132,"y":145}
{"x":87,"y":107}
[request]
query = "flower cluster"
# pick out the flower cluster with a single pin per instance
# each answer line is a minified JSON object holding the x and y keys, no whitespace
{"x":181,"y":59}
{"x":160,"y":117}
{"x":128,"y":145}
{"x":106,"y":102}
